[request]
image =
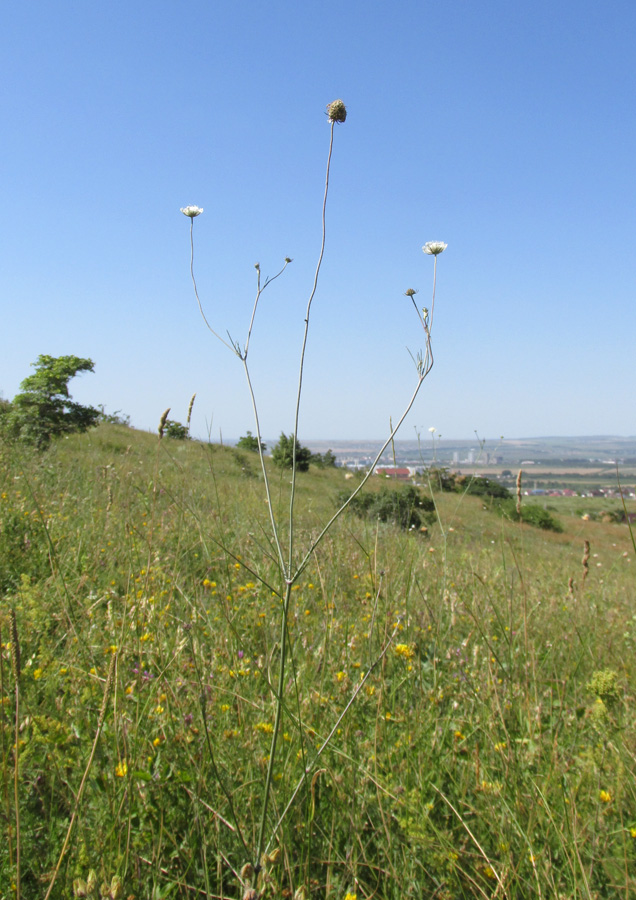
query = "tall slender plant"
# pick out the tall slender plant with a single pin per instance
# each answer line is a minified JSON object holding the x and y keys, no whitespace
{"x":290,"y":561}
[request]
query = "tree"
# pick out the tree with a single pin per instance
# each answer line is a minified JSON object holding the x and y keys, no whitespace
{"x":44,"y":409}
{"x":249,"y":442}
{"x":283,"y":454}
{"x":324,"y":460}
{"x":176,"y":430}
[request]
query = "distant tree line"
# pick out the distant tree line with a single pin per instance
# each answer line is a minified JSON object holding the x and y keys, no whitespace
{"x":283,"y":453}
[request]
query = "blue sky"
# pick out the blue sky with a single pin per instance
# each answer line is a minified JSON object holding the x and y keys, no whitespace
{"x":505,"y":129}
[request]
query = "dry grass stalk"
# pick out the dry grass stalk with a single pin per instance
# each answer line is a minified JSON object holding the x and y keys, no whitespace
{"x":519,"y":493}
{"x":15,"y":666}
{"x":162,"y":423}
{"x":15,"y":647}
{"x":585,"y":562}
{"x":190,"y":411}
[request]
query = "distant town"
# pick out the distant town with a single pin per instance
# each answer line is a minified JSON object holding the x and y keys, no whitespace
{"x":553,"y":466}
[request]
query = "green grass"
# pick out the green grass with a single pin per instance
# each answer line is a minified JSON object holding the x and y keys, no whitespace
{"x":476,"y":761}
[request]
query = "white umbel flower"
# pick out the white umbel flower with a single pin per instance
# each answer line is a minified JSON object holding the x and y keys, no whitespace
{"x":192,"y":211}
{"x":434,"y":248}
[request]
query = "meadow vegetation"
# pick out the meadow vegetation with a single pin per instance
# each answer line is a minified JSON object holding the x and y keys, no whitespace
{"x":226,"y":675}
{"x":489,"y":752}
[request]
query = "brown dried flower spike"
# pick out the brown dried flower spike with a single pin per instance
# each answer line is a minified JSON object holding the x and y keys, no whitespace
{"x":337,"y":111}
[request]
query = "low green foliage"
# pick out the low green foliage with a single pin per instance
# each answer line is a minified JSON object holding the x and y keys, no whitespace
{"x":404,"y":506}
{"x":176,"y":430}
{"x":531,"y":514}
{"x":250,"y":442}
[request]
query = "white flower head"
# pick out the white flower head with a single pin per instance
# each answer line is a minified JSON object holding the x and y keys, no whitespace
{"x":192,"y":211}
{"x":432,"y":429}
{"x":434,"y":248}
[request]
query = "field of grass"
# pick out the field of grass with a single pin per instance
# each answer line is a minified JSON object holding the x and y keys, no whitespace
{"x":489,"y":751}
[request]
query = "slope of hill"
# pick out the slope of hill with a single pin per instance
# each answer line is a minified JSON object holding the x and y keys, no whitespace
{"x":458,"y":716}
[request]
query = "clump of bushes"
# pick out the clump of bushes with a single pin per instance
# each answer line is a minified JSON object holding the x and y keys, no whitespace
{"x":404,"y":507}
{"x":475,"y":485}
{"x":531,"y":514}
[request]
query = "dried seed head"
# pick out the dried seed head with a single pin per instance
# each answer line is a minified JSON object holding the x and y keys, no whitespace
{"x":410,"y":293}
{"x":247,"y":873}
{"x":15,"y":646}
{"x":336,"y":111}
{"x":190,"y":412}
{"x":79,"y":888}
{"x":251,"y":894}
{"x":162,"y":422}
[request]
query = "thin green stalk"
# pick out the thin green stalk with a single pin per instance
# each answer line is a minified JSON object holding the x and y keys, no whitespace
{"x":196,"y":292}
{"x":279,"y":712}
{"x":5,"y":756}
{"x":629,"y":524}
{"x":16,"y":793}
{"x":279,"y":549}
{"x":80,"y":792}
{"x":334,"y":729}
{"x":302,"y":357}
{"x":215,"y":768}
{"x":339,"y":512}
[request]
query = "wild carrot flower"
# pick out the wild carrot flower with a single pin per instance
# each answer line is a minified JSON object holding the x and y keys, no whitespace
{"x":434,"y":248}
{"x":192,"y":211}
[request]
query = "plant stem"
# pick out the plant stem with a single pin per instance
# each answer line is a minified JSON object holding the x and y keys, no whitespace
{"x":279,"y":711}
{"x":302,"y":357}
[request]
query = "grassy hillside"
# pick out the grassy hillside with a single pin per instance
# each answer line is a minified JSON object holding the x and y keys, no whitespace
{"x":489,"y":751}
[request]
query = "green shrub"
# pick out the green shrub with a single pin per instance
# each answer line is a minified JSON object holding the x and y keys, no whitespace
{"x":479,"y":486}
{"x":324,"y":460}
{"x":176,"y":430}
{"x":249,"y":442}
{"x":531,"y":514}
{"x":404,"y":507}
{"x":283,"y":454}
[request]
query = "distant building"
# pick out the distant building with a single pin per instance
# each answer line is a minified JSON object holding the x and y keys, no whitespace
{"x":400,"y":474}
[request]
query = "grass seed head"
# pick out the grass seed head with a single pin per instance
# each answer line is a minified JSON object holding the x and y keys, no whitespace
{"x":162,"y":422}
